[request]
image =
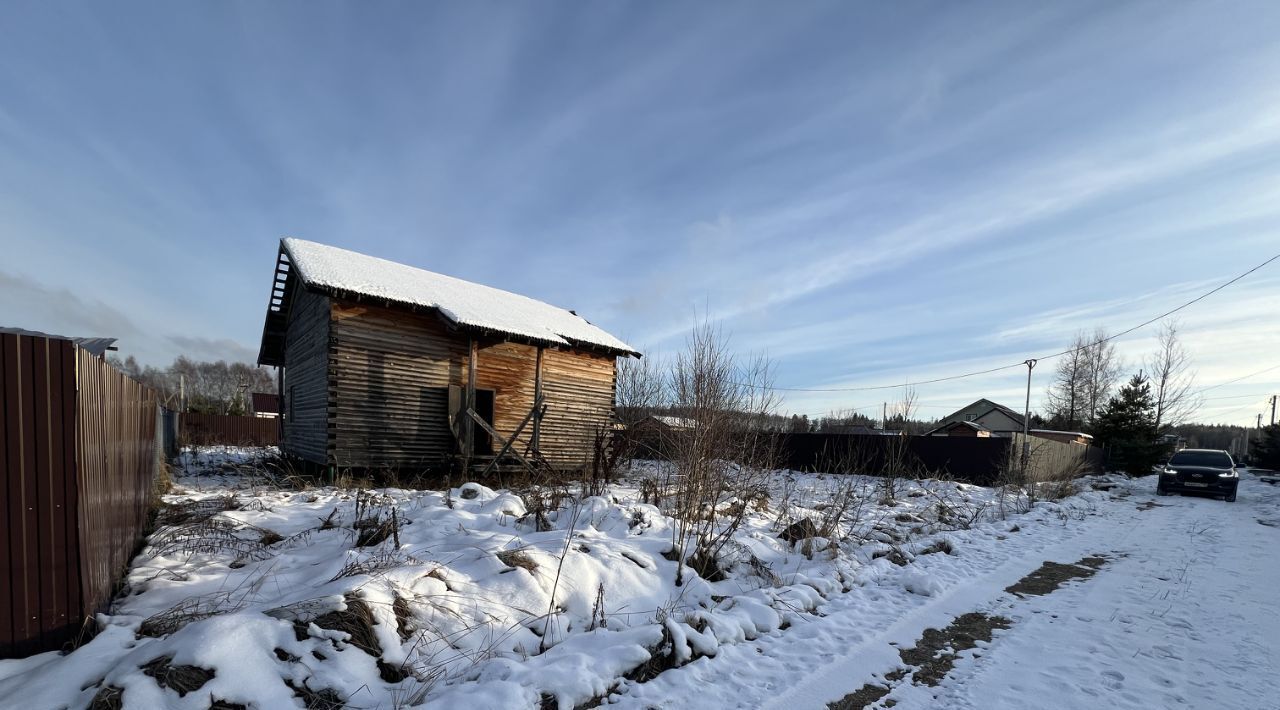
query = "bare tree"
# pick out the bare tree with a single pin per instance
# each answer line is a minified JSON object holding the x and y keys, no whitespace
{"x":903,"y":411}
{"x":1172,"y":379}
{"x":1102,"y":371}
{"x":640,"y":389}
{"x":1068,"y":394}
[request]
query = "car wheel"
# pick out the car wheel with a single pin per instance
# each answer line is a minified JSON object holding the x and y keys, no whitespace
{"x":1230,"y":497}
{"x":1161,"y":490}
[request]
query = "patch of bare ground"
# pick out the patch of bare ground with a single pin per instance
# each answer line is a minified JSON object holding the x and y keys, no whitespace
{"x":929,"y":661}
{"x":1052,"y":575}
{"x":861,"y":698}
{"x":1148,"y":505}
{"x":935,"y":654}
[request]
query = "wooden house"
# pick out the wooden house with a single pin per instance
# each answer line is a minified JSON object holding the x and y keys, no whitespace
{"x":383,"y":365}
{"x":997,"y":419}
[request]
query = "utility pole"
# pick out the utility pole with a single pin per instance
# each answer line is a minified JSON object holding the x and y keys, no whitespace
{"x":884,"y":416}
{"x":1026,"y":421}
{"x":1273,"y":410}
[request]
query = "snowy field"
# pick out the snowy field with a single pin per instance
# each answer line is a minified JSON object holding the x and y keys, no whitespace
{"x":254,"y":594}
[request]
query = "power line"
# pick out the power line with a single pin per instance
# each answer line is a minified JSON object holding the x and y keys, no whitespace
{"x":1231,"y":382}
{"x":1221,"y":417}
{"x":1233,"y":396}
{"x":1109,"y":338}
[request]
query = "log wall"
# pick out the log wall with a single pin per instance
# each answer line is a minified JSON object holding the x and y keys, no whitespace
{"x":305,"y":404}
{"x":389,"y":392}
{"x":387,"y":374}
{"x":579,"y":391}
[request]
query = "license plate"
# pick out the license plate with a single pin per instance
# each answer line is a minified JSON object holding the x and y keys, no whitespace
{"x":1196,"y":485}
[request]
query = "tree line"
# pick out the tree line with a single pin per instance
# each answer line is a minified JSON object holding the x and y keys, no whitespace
{"x":204,"y":387}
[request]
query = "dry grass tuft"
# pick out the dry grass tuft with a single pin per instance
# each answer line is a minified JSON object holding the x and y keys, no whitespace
{"x":188,"y":610}
{"x":518,"y":558}
{"x":942,"y":545}
{"x":375,"y":563}
{"x":323,"y":699}
{"x":183,"y":679}
{"x":109,"y":698}
{"x":193,"y":511}
{"x":356,"y":620}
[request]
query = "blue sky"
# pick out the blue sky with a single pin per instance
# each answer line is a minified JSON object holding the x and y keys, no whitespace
{"x":870,"y":193}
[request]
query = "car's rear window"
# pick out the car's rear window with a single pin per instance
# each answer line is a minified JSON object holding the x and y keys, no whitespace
{"x":1215,"y":459}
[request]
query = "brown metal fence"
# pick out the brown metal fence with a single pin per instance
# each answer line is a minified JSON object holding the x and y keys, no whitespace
{"x":77,"y":445}
{"x":213,"y":429}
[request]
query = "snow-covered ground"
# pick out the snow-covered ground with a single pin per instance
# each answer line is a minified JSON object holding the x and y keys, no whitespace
{"x":1183,"y":614}
{"x":257,"y":595}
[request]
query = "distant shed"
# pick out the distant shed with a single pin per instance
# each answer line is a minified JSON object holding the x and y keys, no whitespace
{"x":384,"y":365}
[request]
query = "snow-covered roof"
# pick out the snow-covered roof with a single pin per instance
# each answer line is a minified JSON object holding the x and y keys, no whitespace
{"x":1067,"y":433}
{"x":676,"y":422}
{"x":468,"y":304}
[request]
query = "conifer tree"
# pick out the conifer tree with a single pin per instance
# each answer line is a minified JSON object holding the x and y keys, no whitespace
{"x":1127,"y":427}
{"x":1266,"y":453}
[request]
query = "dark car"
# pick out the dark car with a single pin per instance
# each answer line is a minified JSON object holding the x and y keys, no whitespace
{"x":1208,"y":471}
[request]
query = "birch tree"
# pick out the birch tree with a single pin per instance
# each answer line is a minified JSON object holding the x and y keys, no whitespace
{"x":1172,"y":379}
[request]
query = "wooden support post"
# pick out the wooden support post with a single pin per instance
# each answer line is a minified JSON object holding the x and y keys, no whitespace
{"x":469,"y":427}
{"x":537,"y":401}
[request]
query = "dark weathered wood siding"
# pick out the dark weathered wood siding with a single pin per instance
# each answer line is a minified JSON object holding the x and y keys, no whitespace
{"x":391,"y":371}
{"x":306,"y":377}
{"x":578,"y":387}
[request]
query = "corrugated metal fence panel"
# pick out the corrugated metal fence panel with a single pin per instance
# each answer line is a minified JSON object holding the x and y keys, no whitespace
{"x":230,"y":430}
{"x":168,"y":435}
{"x":117,"y":467}
{"x":40,"y":598}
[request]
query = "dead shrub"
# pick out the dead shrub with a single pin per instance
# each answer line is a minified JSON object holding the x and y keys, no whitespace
{"x":726,"y":452}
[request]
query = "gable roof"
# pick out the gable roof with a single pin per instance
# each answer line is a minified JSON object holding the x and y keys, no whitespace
{"x":342,"y":272}
{"x":951,"y":425}
{"x":986,"y":406}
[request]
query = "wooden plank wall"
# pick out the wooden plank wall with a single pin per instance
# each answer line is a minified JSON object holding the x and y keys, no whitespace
{"x":510,"y":370}
{"x":305,"y":405}
{"x":391,"y":372}
{"x":40,"y":601}
{"x":117,"y":460}
{"x":579,"y":391}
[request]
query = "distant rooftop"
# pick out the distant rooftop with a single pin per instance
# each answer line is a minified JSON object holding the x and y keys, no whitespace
{"x":94,"y":346}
